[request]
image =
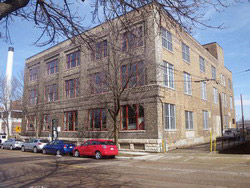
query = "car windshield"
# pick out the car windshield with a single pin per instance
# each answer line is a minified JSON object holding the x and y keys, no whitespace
{"x":19,"y":140}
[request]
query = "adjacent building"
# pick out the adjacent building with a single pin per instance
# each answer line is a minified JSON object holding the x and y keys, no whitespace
{"x":183,"y":92}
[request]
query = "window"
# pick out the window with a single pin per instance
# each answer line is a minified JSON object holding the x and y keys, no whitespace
{"x":229,"y":84}
{"x":73,"y":59}
{"x":185,"y":53}
{"x":203,"y":90}
{"x":71,"y":121}
{"x":224,"y":99}
{"x":168,"y":74}
{"x":100,"y":50}
{"x":189,"y":120}
{"x":98,"y":83}
{"x":52,"y":67}
{"x":202,"y":64}
{"x":169,"y":116}
{"x":34,"y":73}
{"x":72,"y":88}
{"x":215,"y":91}
{"x":98,"y":119}
{"x":205,"y":119}
{"x":31,"y":123}
{"x":133,"y":75}
{"x":231,"y":103}
{"x":222,"y":79}
{"x":213,"y":69}
{"x":187,"y":84}
{"x":32,"y":97}
{"x":132,"y":39}
{"x":132,"y":117}
{"x":46,"y":122}
{"x":226,"y":123}
{"x":166,"y":39}
{"x":51,"y":93}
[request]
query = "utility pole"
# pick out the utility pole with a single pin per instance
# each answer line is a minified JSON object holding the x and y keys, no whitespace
{"x":243,"y":122}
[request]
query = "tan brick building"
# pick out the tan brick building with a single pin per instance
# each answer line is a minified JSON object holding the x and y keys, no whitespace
{"x":177,"y":96}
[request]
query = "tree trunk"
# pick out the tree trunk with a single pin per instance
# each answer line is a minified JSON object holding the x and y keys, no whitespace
{"x":116,"y":133}
{"x":7,"y":125}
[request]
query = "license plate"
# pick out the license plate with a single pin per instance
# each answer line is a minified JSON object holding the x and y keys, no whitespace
{"x":111,"y":148}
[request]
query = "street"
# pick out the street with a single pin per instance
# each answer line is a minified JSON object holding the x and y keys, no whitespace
{"x":179,"y":168}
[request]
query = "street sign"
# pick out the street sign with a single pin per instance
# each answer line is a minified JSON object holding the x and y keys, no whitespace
{"x":18,"y":128}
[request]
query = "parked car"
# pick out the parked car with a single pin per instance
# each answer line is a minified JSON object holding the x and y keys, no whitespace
{"x":97,"y":148}
{"x":59,"y":147}
{"x":34,"y":145}
{"x":12,"y":143}
{"x":3,"y":138}
{"x":231,"y":133}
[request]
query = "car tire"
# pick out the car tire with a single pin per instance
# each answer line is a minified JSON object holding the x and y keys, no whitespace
{"x":11,"y":147}
{"x":35,"y":149}
{"x":77,"y":154}
{"x":58,"y":152}
{"x":23,"y":149}
{"x":98,"y":155}
{"x":112,"y":156}
{"x":44,"y":151}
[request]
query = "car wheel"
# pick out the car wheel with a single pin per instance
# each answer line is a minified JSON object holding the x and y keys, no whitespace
{"x":112,"y":156}
{"x":11,"y":147}
{"x":22,"y":149}
{"x":58,"y":152}
{"x":77,"y":154}
{"x":98,"y":155}
{"x":35,"y":149}
{"x":44,"y":151}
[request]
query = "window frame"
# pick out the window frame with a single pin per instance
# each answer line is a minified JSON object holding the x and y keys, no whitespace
{"x":54,"y":68}
{"x":67,"y":89}
{"x":69,"y":59}
{"x":33,"y":73}
{"x":167,"y":39}
{"x":189,"y":117}
{"x":98,"y":88}
{"x":167,"y":115}
{"x":187,"y":83}
{"x":202,"y":64}
{"x":168,"y":75}
{"x":74,"y":121}
{"x":231,"y":103}
{"x":47,"y":122}
{"x":54,"y":88}
{"x":129,"y":40}
{"x":205,"y":118}
{"x":32,"y":98}
{"x":204,"y":90}
{"x":213,"y":70}
{"x":91,"y":119}
{"x":215,"y":95}
{"x":185,"y":52}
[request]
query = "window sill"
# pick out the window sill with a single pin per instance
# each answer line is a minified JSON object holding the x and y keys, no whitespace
{"x":51,"y":75}
{"x":171,"y":130}
{"x":188,"y":62}
{"x":189,"y":129}
{"x":132,"y":131}
{"x":167,"y":87}
{"x":188,"y":94}
{"x":72,"y":68}
{"x":69,"y":131}
{"x":97,"y":131}
{"x":172,"y":52}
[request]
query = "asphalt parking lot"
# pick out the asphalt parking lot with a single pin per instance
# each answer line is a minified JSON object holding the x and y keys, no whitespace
{"x":179,"y":168}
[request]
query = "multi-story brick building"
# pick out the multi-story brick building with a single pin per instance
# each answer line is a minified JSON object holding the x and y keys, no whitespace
{"x":178,"y":94}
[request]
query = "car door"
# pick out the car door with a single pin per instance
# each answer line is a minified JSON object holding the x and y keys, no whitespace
{"x":84,"y":148}
{"x":48,"y":147}
{"x":54,"y":146}
{"x":7,"y":143}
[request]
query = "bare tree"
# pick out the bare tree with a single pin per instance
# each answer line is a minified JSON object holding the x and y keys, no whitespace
{"x":60,"y":19}
{"x":7,"y":97}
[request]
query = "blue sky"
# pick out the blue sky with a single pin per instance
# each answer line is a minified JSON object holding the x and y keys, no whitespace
{"x":234,"y":39}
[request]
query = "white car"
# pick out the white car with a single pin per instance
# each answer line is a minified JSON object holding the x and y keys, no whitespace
{"x":12,"y":143}
{"x":3,"y":138}
{"x":34,"y":145}
{"x":231,"y":133}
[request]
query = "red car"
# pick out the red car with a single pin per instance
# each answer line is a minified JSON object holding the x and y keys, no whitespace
{"x":96,"y":147}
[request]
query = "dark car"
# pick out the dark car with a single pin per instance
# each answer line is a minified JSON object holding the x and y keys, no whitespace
{"x":97,"y":148}
{"x":59,"y":147}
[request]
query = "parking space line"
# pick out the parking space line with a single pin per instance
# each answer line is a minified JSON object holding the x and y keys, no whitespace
{"x":75,"y":166}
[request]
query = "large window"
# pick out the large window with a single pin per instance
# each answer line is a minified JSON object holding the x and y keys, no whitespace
{"x":98,"y":119}
{"x":187,"y":84}
{"x":215,"y":92}
{"x":226,"y":122}
{"x":51,"y":93}
{"x":72,"y":88}
{"x":34,"y":73}
{"x":100,"y":50}
{"x":213,"y":69}
{"x":71,"y":121}
{"x":168,"y":74}
{"x":31,"y":123}
{"x":185,"y":52}
{"x":98,"y":83}
{"x":205,"y":119}
{"x":222,"y":79}
{"x":52,"y":67}
{"x":202,"y":64}
{"x":132,"y":117}
{"x":166,"y":39}
{"x":231,"y":103}
{"x":132,"y":39}
{"x":203,"y":90}
{"x":133,"y":75}
{"x":73,"y":59}
{"x":229,"y":84}
{"x":46,"y":122}
{"x":189,"y":120}
{"x":169,"y":116}
{"x":224,"y":99}
{"x":32,"y":96}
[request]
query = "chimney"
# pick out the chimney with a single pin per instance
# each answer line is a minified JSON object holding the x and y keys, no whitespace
{"x":9,"y":74}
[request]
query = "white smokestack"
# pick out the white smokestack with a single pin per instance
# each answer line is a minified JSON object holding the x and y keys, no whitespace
{"x":9,"y":74}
